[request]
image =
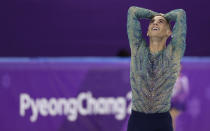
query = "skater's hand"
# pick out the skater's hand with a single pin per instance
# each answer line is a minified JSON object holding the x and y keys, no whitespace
{"x":162,"y":14}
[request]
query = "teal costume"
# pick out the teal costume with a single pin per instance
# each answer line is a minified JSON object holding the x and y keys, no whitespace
{"x":152,"y":76}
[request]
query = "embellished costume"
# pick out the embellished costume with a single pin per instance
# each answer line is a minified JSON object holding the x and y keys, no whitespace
{"x":152,"y":76}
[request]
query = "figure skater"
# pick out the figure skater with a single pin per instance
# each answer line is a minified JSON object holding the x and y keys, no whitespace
{"x":154,"y":68}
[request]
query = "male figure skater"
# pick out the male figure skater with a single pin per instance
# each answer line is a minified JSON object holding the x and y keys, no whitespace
{"x":155,"y":67}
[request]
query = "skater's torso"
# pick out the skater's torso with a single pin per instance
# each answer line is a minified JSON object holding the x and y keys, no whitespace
{"x":152,"y":78}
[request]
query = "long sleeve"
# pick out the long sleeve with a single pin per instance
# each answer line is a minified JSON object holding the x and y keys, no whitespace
{"x":133,"y":24}
{"x":179,"y":31}
{"x":152,"y":76}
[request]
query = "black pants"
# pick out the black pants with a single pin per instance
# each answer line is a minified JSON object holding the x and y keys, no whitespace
{"x":139,"y":121}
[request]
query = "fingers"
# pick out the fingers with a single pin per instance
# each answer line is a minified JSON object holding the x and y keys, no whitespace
{"x":161,"y":14}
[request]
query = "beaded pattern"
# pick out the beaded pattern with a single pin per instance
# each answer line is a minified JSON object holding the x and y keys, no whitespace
{"x":152,"y":76}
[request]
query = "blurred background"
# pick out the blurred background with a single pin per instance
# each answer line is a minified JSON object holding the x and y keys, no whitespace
{"x":64,"y":65}
{"x":32,"y":28}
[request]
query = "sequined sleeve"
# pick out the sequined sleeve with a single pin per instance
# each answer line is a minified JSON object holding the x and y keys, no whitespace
{"x":133,"y":24}
{"x":179,"y":31}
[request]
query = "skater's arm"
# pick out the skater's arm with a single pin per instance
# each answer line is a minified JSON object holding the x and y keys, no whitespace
{"x":179,"y":31}
{"x":133,"y":24}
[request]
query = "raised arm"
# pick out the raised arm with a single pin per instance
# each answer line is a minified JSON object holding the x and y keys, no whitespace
{"x":179,"y":31}
{"x":133,"y":24}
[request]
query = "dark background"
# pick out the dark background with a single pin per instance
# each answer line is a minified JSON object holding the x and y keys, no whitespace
{"x":33,"y":28}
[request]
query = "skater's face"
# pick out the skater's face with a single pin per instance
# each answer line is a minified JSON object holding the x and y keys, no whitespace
{"x":159,"y":27}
